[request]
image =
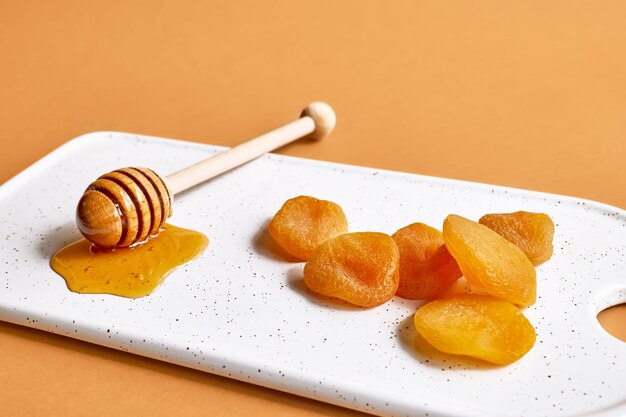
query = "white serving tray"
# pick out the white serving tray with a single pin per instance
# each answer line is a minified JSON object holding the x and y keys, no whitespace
{"x":242,"y":311}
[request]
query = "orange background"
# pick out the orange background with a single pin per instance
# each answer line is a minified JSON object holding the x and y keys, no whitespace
{"x":529,"y":95}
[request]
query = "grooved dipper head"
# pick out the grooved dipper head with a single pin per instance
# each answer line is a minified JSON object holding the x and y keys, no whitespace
{"x":124,"y":208}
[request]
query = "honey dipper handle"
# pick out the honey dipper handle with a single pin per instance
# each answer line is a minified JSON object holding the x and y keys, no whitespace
{"x":317,"y":120}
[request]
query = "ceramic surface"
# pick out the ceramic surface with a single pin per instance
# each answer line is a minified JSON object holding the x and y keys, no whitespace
{"x":241,"y":310}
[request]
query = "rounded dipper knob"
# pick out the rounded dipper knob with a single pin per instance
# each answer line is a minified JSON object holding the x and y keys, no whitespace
{"x":323,"y":116}
{"x":129,"y":205}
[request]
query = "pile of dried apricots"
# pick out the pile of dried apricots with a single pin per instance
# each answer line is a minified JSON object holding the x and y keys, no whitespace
{"x":497,"y":256}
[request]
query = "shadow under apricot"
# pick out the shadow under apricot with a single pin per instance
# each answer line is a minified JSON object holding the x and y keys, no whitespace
{"x":295,"y":282}
{"x":264,"y":245}
{"x":414,"y":344}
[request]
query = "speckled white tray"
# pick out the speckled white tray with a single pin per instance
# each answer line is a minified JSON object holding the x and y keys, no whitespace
{"x":242,"y":312}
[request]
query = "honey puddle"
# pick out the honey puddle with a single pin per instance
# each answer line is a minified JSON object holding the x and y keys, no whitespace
{"x":127,"y":272}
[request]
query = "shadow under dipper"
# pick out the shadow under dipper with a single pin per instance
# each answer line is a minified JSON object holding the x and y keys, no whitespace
{"x":56,"y":238}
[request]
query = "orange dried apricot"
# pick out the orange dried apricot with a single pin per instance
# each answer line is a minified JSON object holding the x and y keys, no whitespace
{"x":476,"y":325}
{"x":490,"y":262}
{"x":303,"y":222}
{"x":361,"y":268}
{"x":531,"y":232}
{"x":426,"y":267}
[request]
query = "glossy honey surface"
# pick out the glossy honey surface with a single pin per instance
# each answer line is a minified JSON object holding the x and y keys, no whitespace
{"x":460,"y":90}
{"x":128,"y":272}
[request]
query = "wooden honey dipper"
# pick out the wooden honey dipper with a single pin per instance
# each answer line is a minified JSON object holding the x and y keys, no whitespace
{"x":129,"y":205}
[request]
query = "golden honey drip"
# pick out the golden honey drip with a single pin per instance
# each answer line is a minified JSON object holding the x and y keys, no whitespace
{"x":128,"y":272}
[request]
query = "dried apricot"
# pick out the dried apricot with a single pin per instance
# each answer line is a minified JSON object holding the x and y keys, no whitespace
{"x":476,"y":325}
{"x":361,"y":268}
{"x":490,"y":262}
{"x":531,"y":232}
{"x":303,"y":222}
{"x":426,"y":267}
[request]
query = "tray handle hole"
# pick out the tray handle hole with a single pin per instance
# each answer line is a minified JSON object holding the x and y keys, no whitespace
{"x":612,"y":314}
